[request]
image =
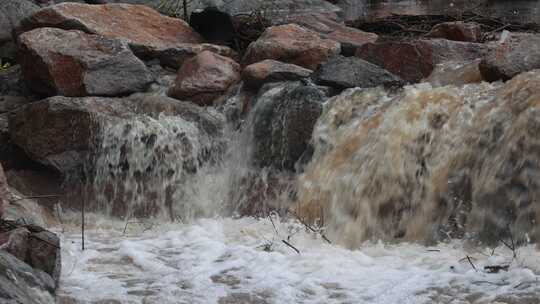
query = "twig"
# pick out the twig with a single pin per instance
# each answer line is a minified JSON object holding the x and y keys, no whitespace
{"x":470,"y":262}
{"x":289,"y":244}
{"x":37,"y":196}
{"x":311,"y":228}
{"x":82,"y":224}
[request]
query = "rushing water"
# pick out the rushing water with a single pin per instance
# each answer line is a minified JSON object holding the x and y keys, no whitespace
{"x":425,"y":164}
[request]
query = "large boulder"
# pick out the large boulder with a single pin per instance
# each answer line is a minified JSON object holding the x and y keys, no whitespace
{"x":512,"y":55}
{"x":257,"y":74}
{"x":140,"y":26}
{"x":414,"y":60}
{"x":283,"y":121}
{"x":73,"y":63}
{"x":294,"y":44}
{"x":456,"y":73}
{"x":20,"y":283}
{"x":205,"y":77}
{"x":457,"y":31}
{"x":58,"y":132}
{"x":349,"y":72}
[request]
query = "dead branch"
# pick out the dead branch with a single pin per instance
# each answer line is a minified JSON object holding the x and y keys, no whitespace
{"x":291,"y":246}
{"x":496,"y":268}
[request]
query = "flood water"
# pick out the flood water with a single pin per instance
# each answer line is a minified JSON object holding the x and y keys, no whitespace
{"x":514,"y":10}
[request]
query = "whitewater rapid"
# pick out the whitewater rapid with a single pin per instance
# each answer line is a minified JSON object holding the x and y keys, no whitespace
{"x":226,"y":260}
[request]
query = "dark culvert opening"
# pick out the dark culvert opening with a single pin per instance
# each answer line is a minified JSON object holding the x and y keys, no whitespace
{"x":214,"y":25}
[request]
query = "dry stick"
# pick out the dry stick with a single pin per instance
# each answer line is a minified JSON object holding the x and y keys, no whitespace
{"x":289,"y":244}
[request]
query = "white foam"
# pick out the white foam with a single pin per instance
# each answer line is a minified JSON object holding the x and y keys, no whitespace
{"x":211,"y":259}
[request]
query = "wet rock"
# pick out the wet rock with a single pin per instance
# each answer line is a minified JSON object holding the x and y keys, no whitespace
{"x":175,"y":55}
{"x":139,"y":26}
{"x":44,"y":253}
{"x":292,"y":44}
{"x":455,"y":73}
{"x":416,"y":59}
{"x":206,"y":119}
{"x":72,"y":63}
{"x":283,"y":121}
{"x":58,"y":132}
{"x":512,"y":55}
{"x":349,"y":72}
{"x":257,"y":74}
{"x":329,"y":28}
{"x":20,"y":283}
{"x":205,"y":77}
{"x":457,"y":31}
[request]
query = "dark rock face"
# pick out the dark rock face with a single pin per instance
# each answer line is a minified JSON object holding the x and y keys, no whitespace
{"x":457,"y":31}
{"x":72,"y":63}
{"x":204,"y":78}
{"x":13,"y":90}
{"x":283,"y":121}
{"x":20,"y":283}
{"x":416,"y":59}
{"x":292,"y":44}
{"x":514,"y":54}
{"x":349,"y":72}
{"x":266,"y":71}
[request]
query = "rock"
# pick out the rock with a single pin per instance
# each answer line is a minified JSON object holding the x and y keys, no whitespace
{"x":58,"y":132}
{"x":455,"y":73}
{"x":512,"y":55}
{"x":283,"y":121}
{"x":138,"y":25}
{"x":350,"y":38}
{"x":414,"y":60}
{"x":44,"y":253}
{"x":205,"y":77}
{"x":291,"y":44}
{"x":19,"y":283}
{"x":457,"y":31}
{"x":257,"y":74}
{"x":27,"y":210}
{"x":11,"y":14}
{"x":349,"y":72}
{"x":15,"y":242}
{"x":72,"y":63}
{"x":174,"y":56}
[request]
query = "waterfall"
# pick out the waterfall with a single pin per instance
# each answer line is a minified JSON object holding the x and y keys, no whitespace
{"x":428,"y":163}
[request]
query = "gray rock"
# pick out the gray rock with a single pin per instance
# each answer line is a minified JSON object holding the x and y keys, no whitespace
{"x":44,"y":253}
{"x":512,"y":55}
{"x":349,"y":72}
{"x":20,"y":284}
{"x":283,"y":121}
{"x":72,"y":63}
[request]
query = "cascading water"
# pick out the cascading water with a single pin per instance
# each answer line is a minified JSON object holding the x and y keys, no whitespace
{"x":428,"y":163}
{"x":421,"y":164}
